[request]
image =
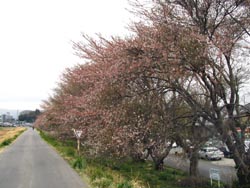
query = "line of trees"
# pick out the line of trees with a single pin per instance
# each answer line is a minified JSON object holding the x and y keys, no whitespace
{"x":177,"y":78}
{"x":29,"y":115}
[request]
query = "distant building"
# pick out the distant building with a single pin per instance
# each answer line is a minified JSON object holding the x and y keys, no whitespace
{"x":1,"y":118}
{"x":6,"y":118}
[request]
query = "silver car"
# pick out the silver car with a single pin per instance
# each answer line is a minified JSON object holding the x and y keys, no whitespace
{"x":211,"y":153}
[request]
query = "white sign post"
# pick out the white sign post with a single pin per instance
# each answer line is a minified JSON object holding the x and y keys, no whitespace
{"x":78,"y":134}
{"x":214,"y":175}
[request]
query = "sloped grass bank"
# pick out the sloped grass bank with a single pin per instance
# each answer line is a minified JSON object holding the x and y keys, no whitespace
{"x":8,"y":135}
{"x":103,"y":173}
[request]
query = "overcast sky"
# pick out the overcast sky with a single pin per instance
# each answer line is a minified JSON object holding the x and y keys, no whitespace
{"x":35,"y":43}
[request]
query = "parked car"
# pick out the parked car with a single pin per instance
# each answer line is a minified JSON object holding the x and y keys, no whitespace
{"x":226,"y":152}
{"x":211,"y":153}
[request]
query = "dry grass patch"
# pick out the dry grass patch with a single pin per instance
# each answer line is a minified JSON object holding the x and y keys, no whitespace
{"x":8,"y":134}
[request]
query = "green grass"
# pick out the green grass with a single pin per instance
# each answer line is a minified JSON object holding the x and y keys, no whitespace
{"x":6,"y":142}
{"x":142,"y":173}
{"x":103,"y":173}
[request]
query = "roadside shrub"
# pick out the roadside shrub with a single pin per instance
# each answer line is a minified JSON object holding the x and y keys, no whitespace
{"x":70,"y":152}
{"x":6,"y":142}
{"x":79,"y":163}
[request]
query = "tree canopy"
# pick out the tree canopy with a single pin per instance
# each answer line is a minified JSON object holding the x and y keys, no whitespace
{"x":29,"y":116}
{"x":182,"y":70}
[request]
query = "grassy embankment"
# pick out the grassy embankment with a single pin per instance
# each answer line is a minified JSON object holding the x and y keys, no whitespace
{"x":9,"y":134}
{"x":101,"y":173}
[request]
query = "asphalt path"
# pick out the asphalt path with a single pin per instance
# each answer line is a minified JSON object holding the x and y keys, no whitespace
{"x":31,"y":163}
{"x":225,"y":167}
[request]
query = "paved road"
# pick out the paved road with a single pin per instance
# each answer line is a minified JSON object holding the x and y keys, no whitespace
{"x":30,"y":163}
{"x":225,"y":167}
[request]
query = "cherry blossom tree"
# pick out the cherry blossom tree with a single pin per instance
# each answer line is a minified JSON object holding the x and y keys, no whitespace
{"x":211,"y":38}
{"x":124,"y":92}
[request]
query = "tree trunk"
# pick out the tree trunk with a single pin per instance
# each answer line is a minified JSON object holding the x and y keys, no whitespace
{"x":241,"y":161}
{"x":137,"y":157}
{"x":158,"y":156}
{"x":159,"y":164}
{"x":194,"y":160}
{"x":243,"y":178}
{"x":158,"y":161}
